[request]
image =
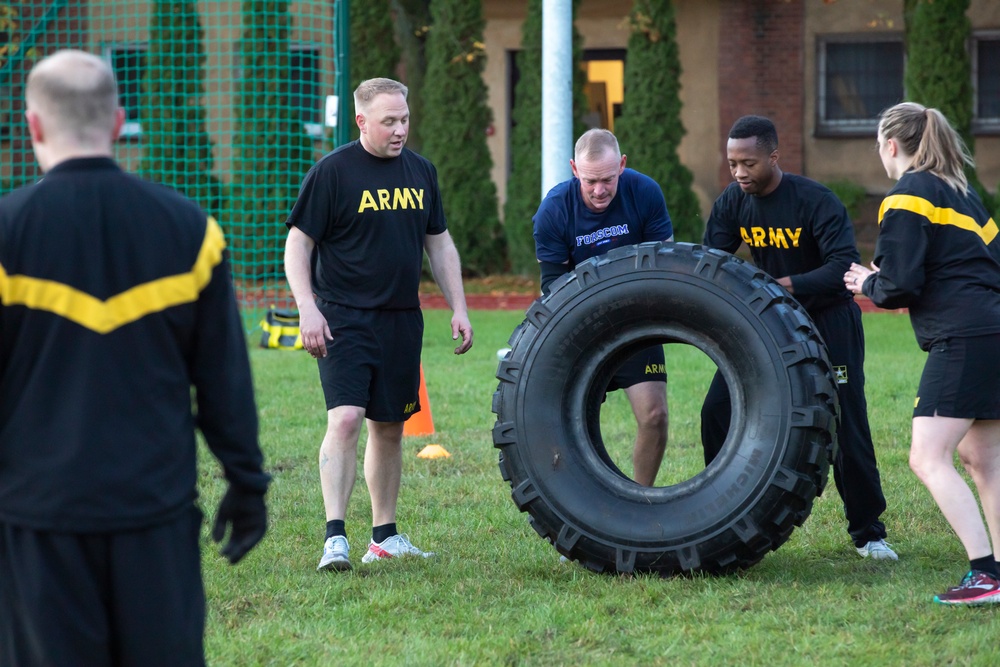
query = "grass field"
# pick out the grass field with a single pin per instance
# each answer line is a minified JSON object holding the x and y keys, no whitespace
{"x":497,"y":594}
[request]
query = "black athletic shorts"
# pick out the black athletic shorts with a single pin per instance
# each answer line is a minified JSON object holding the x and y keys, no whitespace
{"x":373,"y":361}
{"x":961,"y":379}
{"x":645,"y":366}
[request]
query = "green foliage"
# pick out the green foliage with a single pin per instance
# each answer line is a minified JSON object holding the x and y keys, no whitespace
{"x":939,"y":70}
{"x":16,"y":59}
{"x":371,"y":24}
{"x":8,"y":185}
{"x":525,"y":182}
{"x":413,"y":19}
{"x":10,"y":25}
{"x":273,"y":151}
{"x":454,"y":132}
{"x":650,"y":129}
{"x":580,"y":103}
{"x":177,"y":150}
{"x":14,"y":27}
{"x":850,"y":194}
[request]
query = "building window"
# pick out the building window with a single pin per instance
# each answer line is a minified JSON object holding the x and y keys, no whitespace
{"x":857,"y":79}
{"x":605,"y":88}
{"x":129,"y":64}
{"x":128,"y":61}
{"x":303,"y":89}
{"x":302,"y":78}
{"x":986,"y":82}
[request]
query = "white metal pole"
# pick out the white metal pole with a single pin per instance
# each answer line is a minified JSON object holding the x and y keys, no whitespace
{"x":557,"y":91}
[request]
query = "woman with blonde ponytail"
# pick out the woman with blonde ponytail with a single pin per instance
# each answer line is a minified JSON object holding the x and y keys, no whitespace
{"x":938,"y":255}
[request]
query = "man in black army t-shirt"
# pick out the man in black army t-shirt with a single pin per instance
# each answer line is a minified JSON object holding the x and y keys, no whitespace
{"x":364,"y":217}
{"x":799,"y":232}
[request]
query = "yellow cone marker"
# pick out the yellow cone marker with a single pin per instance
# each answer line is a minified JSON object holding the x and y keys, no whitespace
{"x":433,"y":452}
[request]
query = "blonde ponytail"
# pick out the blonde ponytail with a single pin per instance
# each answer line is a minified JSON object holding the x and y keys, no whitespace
{"x":928,"y":136}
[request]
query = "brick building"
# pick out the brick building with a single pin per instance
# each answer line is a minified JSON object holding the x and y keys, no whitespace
{"x":821,"y":70}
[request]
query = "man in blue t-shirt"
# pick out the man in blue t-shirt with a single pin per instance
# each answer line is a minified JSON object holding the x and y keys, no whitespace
{"x":607,"y":206}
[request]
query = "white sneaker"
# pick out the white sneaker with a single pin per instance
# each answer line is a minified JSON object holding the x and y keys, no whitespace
{"x":393,"y":547}
{"x":877,"y":550}
{"x":335,"y":552}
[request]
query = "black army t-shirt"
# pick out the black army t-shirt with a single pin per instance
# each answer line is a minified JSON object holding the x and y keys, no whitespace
{"x":368,"y":217}
{"x":800,"y":230}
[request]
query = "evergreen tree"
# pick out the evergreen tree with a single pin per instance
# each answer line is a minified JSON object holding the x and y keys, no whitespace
{"x":374,"y":52}
{"x":454,"y":132}
{"x":580,"y":104}
{"x":177,"y":150}
{"x":15,"y":62}
{"x":525,"y":181}
{"x":938,"y":68}
{"x":10,"y":32}
{"x":650,"y":128}
{"x":413,"y":19}
{"x":273,"y":151}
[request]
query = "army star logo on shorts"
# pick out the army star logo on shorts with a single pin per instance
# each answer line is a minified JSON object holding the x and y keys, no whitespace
{"x":841,"y":372}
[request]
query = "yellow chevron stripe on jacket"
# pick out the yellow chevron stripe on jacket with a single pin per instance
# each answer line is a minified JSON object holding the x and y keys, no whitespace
{"x":121,"y":309}
{"x":938,"y":216}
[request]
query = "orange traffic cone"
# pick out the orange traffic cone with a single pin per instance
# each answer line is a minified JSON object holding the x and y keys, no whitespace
{"x":421,"y":423}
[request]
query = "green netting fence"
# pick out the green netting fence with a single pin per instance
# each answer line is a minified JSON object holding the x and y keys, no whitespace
{"x":229,"y":102}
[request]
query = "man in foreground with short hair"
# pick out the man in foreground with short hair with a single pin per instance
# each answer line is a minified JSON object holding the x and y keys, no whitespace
{"x":115,"y":301}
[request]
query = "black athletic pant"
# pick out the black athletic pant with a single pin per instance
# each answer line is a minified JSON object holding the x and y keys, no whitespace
{"x":855,"y":470}
{"x":114,"y":599}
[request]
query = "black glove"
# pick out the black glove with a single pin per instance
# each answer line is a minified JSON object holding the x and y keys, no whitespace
{"x":246,"y":513}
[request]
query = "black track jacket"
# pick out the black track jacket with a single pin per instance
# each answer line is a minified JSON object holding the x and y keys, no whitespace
{"x":115,"y":300}
{"x":939,"y":256}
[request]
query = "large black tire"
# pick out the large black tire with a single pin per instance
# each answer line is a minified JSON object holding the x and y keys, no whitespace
{"x":782,"y":435}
